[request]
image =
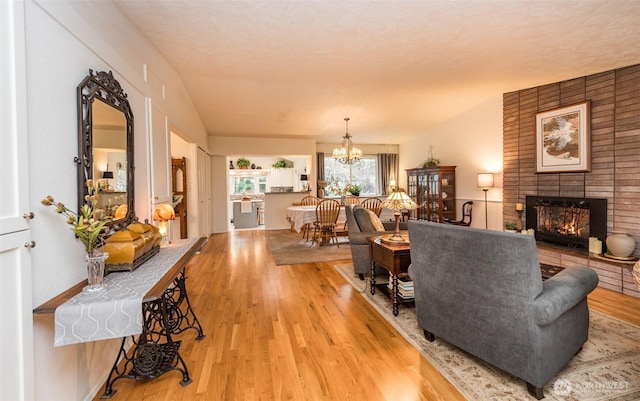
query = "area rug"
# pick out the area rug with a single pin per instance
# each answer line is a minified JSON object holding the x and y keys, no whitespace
{"x":607,"y":368}
{"x":288,"y":248}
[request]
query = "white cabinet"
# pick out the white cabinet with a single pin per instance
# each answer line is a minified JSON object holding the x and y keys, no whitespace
{"x":282,"y":177}
{"x":160,"y":152}
{"x":16,"y":330}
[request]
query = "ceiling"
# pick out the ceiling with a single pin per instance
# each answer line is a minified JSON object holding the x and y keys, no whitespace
{"x":396,"y":68}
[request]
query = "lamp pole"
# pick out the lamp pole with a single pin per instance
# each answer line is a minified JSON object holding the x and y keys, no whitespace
{"x":485,"y":182}
{"x":486,"y":213}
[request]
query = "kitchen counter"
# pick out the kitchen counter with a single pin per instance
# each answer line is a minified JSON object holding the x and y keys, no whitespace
{"x":246,"y":217}
{"x":276,"y":204}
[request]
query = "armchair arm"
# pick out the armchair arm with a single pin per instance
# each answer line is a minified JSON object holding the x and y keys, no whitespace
{"x":562,"y":292}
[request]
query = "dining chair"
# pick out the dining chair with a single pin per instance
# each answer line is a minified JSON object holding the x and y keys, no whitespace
{"x":324,"y":228}
{"x":467,"y":209}
{"x":351,"y":200}
{"x":373,"y":204}
{"x":308,"y":201}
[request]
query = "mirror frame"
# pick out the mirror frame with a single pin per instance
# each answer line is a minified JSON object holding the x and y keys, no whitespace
{"x":102,"y":86}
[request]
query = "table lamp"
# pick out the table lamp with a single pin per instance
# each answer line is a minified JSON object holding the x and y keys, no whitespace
{"x":397,"y":201}
{"x":107,"y":175}
{"x":163,"y":213}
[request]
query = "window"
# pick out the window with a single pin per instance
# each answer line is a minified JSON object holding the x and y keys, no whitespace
{"x":249,"y":184}
{"x":362,"y":173}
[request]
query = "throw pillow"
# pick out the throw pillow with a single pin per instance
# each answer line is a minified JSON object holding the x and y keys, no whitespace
{"x":375,"y":220}
{"x":364,"y":220}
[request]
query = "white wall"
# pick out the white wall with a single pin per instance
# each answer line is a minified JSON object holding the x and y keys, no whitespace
{"x":472,"y":141}
{"x":64,"y":39}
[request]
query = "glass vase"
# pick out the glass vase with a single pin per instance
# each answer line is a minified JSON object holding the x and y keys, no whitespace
{"x":95,"y":271}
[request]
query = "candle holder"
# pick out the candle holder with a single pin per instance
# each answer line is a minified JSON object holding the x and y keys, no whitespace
{"x":519,"y":210}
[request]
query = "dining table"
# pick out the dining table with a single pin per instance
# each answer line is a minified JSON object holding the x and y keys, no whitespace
{"x":298,"y":216}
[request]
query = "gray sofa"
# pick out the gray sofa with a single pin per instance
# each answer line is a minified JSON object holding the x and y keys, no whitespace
{"x":482,"y":291}
{"x":359,"y":228}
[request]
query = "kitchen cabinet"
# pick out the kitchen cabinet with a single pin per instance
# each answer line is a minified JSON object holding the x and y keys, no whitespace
{"x":282,"y":177}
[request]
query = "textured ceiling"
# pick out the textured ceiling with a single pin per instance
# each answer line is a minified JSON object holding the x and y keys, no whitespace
{"x":396,"y":68}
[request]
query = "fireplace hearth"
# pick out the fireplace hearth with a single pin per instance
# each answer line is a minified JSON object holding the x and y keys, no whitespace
{"x":567,"y":221}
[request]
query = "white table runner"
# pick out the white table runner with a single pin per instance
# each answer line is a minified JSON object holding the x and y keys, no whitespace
{"x":115,"y":311}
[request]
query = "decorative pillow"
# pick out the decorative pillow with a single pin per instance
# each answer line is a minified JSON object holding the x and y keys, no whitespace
{"x":375,"y":220}
{"x":367,"y":220}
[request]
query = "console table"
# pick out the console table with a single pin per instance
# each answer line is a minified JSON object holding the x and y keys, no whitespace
{"x":394,"y":258}
{"x":163,"y":310}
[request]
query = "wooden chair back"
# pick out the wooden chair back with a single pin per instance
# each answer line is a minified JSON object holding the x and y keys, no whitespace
{"x":373,"y":204}
{"x":465,"y":220}
{"x":309,"y":201}
{"x":327,"y":211}
{"x":351,"y":200}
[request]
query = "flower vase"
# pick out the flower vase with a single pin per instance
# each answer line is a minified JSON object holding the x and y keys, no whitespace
{"x":95,"y":271}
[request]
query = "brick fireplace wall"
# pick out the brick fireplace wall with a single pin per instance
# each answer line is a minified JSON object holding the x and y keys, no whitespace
{"x":615,"y":146}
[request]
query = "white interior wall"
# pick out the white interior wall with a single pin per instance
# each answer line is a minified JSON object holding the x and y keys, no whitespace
{"x":472,"y":141}
{"x":64,"y":39}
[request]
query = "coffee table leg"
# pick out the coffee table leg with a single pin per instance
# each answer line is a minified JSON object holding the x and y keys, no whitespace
{"x":394,"y":293}
{"x":373,"y":277}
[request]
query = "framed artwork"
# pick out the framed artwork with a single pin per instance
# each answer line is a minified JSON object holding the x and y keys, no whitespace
{"x":563,"y":140}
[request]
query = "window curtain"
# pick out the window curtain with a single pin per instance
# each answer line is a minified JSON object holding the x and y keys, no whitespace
{"x":320,"y":163}
{"x":387,"y":171}
{"x":320,"y":173}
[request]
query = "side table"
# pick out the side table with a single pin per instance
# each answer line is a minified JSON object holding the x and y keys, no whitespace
{"x":394,"y":258}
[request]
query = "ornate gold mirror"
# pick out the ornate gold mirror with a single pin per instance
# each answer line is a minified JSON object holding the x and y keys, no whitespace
{"x":106,"y":143}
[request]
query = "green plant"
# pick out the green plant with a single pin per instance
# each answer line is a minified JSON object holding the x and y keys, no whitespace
{"x":510,"y":225}
{"x":282,"y":164}
{"x":431,"y":161}
{"x":355,"y":189}
{"x":242,"y":162}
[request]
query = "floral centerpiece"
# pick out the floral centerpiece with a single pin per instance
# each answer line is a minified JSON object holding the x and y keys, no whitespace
{"x":91,"y":224}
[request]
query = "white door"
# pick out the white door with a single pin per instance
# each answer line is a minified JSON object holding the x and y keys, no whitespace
{"x":158,"y":126}
{"x":203,"y":193}
{"x":16,"y":319}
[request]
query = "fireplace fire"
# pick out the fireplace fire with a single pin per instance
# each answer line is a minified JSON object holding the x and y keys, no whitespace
{"x":567,"y":221}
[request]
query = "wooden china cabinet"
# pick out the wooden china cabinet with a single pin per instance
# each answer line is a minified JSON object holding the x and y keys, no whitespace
{"x":434,"y":190}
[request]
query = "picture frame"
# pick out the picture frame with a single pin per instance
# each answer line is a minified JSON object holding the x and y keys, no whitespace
{"x":563,"y":139}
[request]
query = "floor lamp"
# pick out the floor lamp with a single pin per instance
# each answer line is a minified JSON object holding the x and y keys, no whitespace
{"x":485,"y":182}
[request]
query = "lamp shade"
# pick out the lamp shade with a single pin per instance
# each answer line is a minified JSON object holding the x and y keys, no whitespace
{"x":399,"y":200}
{"x":163,"y":212}
{"x":107,"y":175}
{"x":485,"y":180}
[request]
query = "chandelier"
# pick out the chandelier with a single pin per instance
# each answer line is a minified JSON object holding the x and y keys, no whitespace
{"x":347,"y":154}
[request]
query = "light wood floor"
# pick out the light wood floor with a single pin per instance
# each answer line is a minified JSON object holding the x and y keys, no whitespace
{"x":297,"y":332}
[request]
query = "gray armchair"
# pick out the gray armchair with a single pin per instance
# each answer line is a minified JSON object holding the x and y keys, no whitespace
{"x":359,"y":228}
{"x":482,"y":291}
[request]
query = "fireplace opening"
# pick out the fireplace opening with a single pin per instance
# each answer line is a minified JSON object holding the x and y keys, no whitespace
{"x":567,"y":221}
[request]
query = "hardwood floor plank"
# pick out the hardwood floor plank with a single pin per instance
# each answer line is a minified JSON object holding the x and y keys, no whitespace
{"x":297,"y":332}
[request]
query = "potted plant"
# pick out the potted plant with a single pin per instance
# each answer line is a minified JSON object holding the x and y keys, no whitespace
{"x":432,"y":161}
{"x":282,"y":164}
{"x":355,"y":189}
{"x":243,"y":163}
{"x":510,"y":227}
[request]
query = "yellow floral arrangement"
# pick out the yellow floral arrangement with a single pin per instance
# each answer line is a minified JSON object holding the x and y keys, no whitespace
{"x":91,"y":224}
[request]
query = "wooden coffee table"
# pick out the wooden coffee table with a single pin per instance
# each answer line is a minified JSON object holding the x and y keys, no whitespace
{"x":394,"y":258}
